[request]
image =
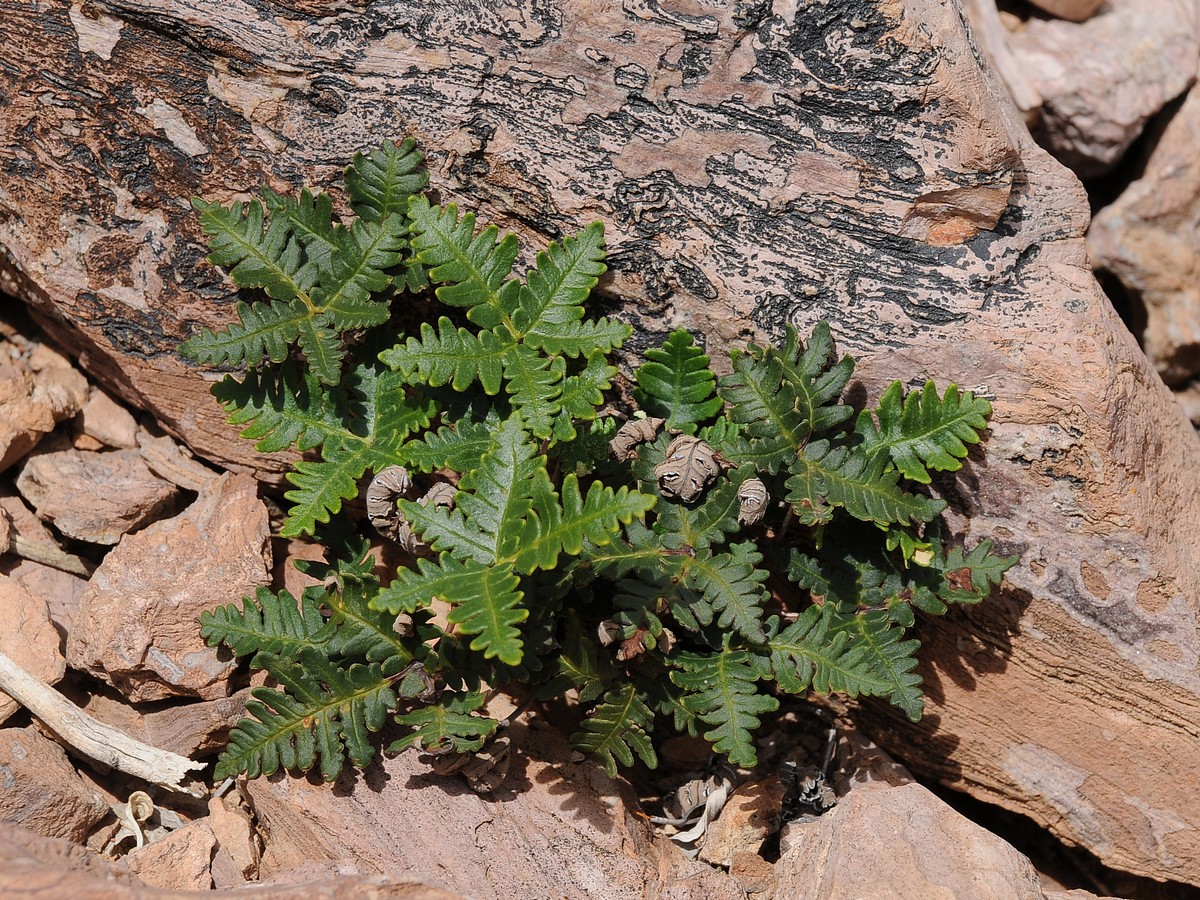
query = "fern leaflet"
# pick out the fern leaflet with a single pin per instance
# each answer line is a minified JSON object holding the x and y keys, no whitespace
{"x":618,"y":727}
{"x":721,"y":691}
{"x":676,"y":384}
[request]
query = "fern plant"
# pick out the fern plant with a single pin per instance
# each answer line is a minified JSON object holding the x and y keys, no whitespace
{"x":627,"y":567}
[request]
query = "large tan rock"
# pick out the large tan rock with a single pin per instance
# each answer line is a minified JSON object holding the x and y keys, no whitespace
{"x":1149,"y":238}
{"x":755,"y":165}
{"x":1102,"y":79}
{"x":556,"y":829}
{"x":137,"y":624}
{"x":901,"y":843}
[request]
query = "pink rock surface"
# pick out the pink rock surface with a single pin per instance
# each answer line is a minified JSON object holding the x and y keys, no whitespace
{"x":1101,"y":80}
{"x":28,"y":638}
{"x":137,"y":623}
{"x":1149,"y":238}
{"x":95,"y":497}
{"x":39,"y":789}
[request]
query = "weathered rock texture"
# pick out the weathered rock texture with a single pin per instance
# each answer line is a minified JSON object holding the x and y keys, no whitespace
{"x":39,"y":868}
{"x":556,"y":829}
{"x":39,"y":789}
{"x":1149,"y":239}
{"x":136,"y":626}
{"x":755,"y":164}
{"x":1101,"y":80}
{"x":28,"y":637}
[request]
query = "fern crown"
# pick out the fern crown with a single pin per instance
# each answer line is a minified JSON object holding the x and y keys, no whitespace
{"x":551,"y":549}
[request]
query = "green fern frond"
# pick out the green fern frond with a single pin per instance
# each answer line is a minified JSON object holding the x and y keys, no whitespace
{"x":262,"y":331}
{"x":372,"y":440}
{"x":806,"y":654}
{"x":890,"y":658}
{"x":365,"y":633}
{"x":848,"y":478}
{"x":618,"y":728}
{"x":817,"y":376}
{"x":580,"y":665}
{"x":721,"y":691}
{"x":551,"y":300}
{"x":582,"y":395}
{"x":275,"y":623}
{"x":969,"y":577}
{"x":258,"y":250}
{"x":326,"y":712}
{"x":732,"y":584}
{"x":491,"y":610}
{"x":450,"y":355}
{"x":356,"y":271}
{"x":322,"y":348}
{"x":382,"y":182}
{"x":281,"y":408}
{"x":595,"y":518}
{"x":309,"y":218}
{"x":921,"y":431}
{"x":448,"y":725}
{"x":534,"y":385}
{"x":766,"y":406}
{"x":676,"y":384}
{"x":706,"y":523}
{"x":458,"y":447}
{"x":475,"y":269}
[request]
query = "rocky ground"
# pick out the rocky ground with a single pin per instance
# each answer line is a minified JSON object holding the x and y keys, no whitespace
{"x":115,"y":537}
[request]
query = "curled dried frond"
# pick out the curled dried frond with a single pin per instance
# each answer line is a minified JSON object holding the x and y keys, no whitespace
{"x":385,"y":489}
{"x":632,"y":433}
{"x":690,"y":465}
{"x":440,"y":494}
{"x":752,"y":501}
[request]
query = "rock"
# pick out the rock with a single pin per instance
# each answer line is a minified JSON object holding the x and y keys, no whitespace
{"x":1101,"y":80}
{"x":5,"y":533}
{"x":108,"y":422}
{"x":94,"y":497}
{"x":136,"y":627}
{"x":1072,"y":10}
{"x":175,"y":463}
{"x":560,"y":829}
{"x":882,"y":841}
{"x":23,"y":420}
{"x":855,"y":162}
{"x":34,"y":541}
{"x":1150,"y":241}
{"x":62,"y":591}
{"x":38,"y":868}
{"x":238,"y":848}
{"x":57,"y":385}
{"x":178,"y":862}
{"x":28,"y":638}
{"x":749,"y":816}
{"x":39,"y":789}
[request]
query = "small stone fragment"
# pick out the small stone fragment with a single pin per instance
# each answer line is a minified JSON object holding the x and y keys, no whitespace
{"x":174,"y":462}
{"x":108,"y":422}
{"x":32,"y":540}
{"x":749,"y":815}
{"x":136,"y":625}
{"x":61,"y":590}
{"x":28,"y":638}
{"x":95,"y":497}
{"x":23,"y":420}
{"x":178,"y":862}
{"x":62,"y":389}
{"x":238,"y":847}
{"x":40,"y":790}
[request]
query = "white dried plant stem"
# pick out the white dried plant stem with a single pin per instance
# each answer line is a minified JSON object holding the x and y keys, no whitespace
{"x":96,"y":740}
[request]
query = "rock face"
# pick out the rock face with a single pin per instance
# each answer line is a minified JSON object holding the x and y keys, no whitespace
{"x":136,"y":626}
{"x":1149,"y":238}
{"x":559,"y":829}
{"x":755,"y":164}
